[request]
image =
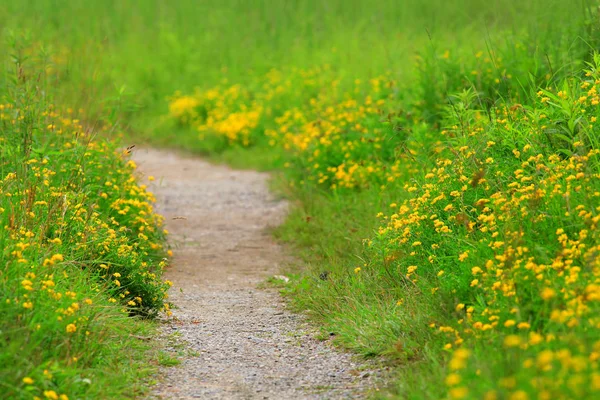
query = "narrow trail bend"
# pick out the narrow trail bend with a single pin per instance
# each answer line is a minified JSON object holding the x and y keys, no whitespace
{"x":245,"y":344}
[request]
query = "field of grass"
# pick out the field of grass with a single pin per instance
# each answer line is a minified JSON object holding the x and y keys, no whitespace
{"x":442,"y":158}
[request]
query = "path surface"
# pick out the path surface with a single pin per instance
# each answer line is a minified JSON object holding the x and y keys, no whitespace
{"x":245,"y":344}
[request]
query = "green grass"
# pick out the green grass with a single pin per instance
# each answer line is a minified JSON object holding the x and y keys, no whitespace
{"x":362,"y":108}
{"x":167,"y":360}
{"x":82,"y":254}
{"x":119,"y":60}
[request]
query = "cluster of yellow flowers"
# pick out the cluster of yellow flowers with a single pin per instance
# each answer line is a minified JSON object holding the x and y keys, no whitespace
{"x":511,"y":232}
{"x":226,"y":113}
{"x":234,"y":113}
{"x":120,"y":222}
{"x":345,"y":143}
{"x":488,"y":241}
{"x":77,"y":232}
{"x":341,"y":138}
{"x":497,"y":218}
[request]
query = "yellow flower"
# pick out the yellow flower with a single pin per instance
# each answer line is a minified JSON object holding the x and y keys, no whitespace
{"x":131,"y":164}
{"x":50,"y":394}
{"x":458,"y":392}
{"x":512,"y":341}
{"x":544,"y":358}
{"x":519,"y":395}
{"x":452,"y":379}
{"x":547,"y":293}
{"x":462,"y":354}
{"x":457,"y":363}
{"x":535,"y":338}
{"x":28,"y":381}
{"x":71,"y":328}
{"x":596,"y":381}
{"x":28,"y":305}
{"x":356,"y":270}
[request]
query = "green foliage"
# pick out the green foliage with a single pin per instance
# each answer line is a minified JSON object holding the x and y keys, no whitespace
{"x":81,"y":251}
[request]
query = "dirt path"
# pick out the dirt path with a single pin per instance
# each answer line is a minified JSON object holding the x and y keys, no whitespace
{"x":245,"y":344}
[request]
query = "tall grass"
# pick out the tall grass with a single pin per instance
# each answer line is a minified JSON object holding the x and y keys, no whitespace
{"x":82,"y":251}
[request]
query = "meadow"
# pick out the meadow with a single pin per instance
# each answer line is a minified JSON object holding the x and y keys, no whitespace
{"x":442,"y":159}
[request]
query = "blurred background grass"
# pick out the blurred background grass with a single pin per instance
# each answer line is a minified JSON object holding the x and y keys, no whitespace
{"x":120,"y":59}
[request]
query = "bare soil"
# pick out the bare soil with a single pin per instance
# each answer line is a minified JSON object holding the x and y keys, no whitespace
{"x":241,"y":342}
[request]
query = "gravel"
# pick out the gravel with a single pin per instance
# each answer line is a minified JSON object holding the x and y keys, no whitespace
{"x":240,"y":341}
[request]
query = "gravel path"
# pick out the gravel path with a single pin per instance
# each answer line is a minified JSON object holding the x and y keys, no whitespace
{"x":242,"y":342}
